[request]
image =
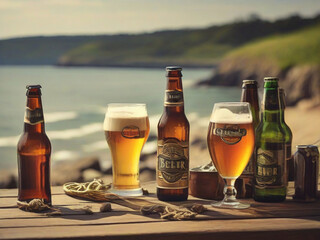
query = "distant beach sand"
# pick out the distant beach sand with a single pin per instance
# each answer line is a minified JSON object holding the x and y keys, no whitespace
{"x":304,"y":123}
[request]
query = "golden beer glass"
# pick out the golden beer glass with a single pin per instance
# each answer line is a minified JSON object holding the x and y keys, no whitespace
{"x":231,"y":143}
{"x":126,"y":128}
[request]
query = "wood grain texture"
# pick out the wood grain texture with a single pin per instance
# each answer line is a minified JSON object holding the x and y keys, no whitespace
{"x":262,"y":221}
{"x":220,"y":229}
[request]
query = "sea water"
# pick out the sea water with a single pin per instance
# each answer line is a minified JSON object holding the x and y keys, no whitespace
{"x":75,"y":99}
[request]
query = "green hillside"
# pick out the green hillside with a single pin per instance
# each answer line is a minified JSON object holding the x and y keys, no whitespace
{"x":185,"y":47}
{"x":286,"y":50}
{"x":189,"y":47}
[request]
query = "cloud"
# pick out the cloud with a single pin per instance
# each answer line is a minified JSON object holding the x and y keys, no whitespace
{"x":18,"y":4}
{"x":54,"y":17}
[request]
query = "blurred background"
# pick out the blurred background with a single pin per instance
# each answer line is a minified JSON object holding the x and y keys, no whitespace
{"x":88,"y":53}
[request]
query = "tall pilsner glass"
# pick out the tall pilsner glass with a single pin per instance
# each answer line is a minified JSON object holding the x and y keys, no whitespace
{"x":231,"y":143}
{"x":126,"y":129}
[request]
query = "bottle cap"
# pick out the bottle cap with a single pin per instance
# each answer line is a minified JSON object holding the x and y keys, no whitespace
{"x":33,"y":86}
{"x":33,"y":90}
{"x":267,"y":79}
{"x":249,"y":82}
{"x":173,"y":68}
{"x":174,"y":71}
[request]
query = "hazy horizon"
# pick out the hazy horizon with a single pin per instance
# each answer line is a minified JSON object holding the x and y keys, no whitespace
{"x":27,"y":18}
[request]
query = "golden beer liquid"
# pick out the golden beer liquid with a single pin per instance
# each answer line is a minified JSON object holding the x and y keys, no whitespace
{"x":125,"y":151}
{"x":230,"y":159}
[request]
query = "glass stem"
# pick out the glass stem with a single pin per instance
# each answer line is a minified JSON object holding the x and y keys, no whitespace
{"x":230,"y":192}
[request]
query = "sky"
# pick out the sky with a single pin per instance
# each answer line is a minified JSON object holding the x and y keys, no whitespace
{"x":70,"y":17}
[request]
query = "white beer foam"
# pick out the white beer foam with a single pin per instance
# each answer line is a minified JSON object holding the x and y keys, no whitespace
{"x":117,"y":117}
{"x":224,"y":115}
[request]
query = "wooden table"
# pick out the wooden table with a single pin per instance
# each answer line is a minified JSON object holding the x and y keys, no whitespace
{"x":287,"y":220}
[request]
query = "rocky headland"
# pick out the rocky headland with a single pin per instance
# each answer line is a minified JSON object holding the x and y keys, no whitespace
{"x":294,"y":58}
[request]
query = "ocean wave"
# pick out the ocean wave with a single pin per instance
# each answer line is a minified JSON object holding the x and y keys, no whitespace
{"x":64,"y":155}
{"x":9,"y":141}
{"x":150,"y":147}
{"x":187,"y":83}
{"x":91,"y":128}
{"x":61,"y":134}
{"x":76,"y":132}
{"x":60,"y":116}
{"x":96,"y":146}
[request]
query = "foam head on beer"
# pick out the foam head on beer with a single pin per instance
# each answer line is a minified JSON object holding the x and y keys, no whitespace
{"x":119,"y":116}
{"x":221,"y":114}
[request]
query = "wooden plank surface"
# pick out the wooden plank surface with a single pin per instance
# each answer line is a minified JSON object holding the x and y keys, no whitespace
{"x":284,"y":228}
{"x":261,"y":221}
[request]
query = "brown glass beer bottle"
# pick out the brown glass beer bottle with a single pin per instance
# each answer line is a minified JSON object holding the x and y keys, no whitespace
{"x":173,"y":142}
{"x":244,"y":183}
{"x":34,"y":150}
{"x":250,"y":95}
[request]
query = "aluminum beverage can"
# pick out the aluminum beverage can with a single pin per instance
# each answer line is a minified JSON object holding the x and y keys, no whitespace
{"x":306,"y":165}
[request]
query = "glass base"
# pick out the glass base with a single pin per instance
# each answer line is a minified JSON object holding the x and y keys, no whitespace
{"x":127,"y":192}
{"x":230,"y":205}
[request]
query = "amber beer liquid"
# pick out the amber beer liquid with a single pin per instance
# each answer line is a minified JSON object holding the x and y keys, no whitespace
{"x":34,"y":150}
{"x":126,"y":135}
{"x":230,"y":146}
{"x":173,"y":143}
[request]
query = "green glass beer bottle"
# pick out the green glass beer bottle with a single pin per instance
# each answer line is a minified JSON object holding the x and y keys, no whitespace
{"x":270,"y":167}
{"x":288,"y":137}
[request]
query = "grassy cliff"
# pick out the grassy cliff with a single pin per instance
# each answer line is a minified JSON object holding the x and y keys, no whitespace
{"x":293,"y":57}
{"x":185,"y":47}
{"x":285,"y":50}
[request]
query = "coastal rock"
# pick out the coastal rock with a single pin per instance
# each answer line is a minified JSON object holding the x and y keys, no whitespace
{"x":149,"y":161}
{"x":106,"y":179}
{"x":299,"y":82}
{"x":7,"y":179}
{"x":147,"y":174}
{"x":232,"y":71}
{"x":87,"y":163}
{"x":90,"y":174}
{"x":63,"y":174}
{"x":302,"y":82}
{"x":72,"y":171}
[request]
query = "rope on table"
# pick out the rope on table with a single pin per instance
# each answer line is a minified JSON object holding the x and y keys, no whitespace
{"x":98,"y":191}
{"x":38,"y":205}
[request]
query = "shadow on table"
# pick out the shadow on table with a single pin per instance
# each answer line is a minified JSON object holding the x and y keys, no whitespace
{"x":79,"y":214}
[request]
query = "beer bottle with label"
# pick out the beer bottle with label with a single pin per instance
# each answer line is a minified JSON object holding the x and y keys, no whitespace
{"x":270,"y":167}
{"x":245,"y":182}
{"x":34,"y":150}
{"x":173,"y":142}
{"x":288,"y":136}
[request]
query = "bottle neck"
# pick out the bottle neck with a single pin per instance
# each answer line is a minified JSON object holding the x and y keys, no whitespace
{"x":250,"y":95}
{"x":33,"y":120}
{"x":282,"y":115}
{"x":174,"y":101}
{"x":282,"y":106}
{"x":271,"y":103}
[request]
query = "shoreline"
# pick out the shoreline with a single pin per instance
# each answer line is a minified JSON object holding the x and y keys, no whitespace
{"x":137,"y":66}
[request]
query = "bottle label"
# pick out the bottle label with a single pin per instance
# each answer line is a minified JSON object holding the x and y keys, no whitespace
{"x":33,"y":116}
{"x":173,"y":98}
{"x":270,"y":169}
{"x":173,"y":164}
{"x":230,"y":134}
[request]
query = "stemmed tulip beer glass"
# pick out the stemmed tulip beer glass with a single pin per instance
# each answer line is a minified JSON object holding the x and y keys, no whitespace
{"x":230,"y":142}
